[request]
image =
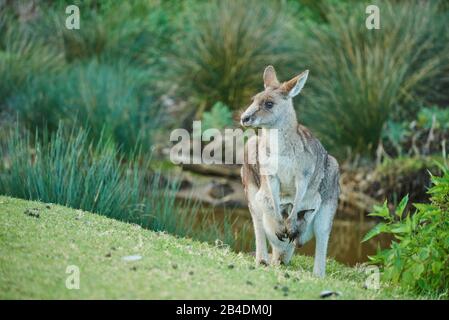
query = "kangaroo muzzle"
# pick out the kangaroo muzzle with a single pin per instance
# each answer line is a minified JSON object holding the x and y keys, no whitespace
{"x":247,"y":120}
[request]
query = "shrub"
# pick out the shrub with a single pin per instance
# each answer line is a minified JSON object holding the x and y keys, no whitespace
{"x":219,"y":117}
{"x":360,"y":78}
{"x":427,"y":134}
{"x":433,"y":117}
{"x":112,"y":101}
{"x":418,"y":257}
{"x":139,"y":31}
{"x":223,"y":47}
{"x":22,"y":57}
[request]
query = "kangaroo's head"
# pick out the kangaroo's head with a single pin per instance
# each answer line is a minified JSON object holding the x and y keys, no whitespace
{"x":273,"y":107}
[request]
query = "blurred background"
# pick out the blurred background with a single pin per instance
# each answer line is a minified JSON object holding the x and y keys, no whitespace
{"x":86,"y":115}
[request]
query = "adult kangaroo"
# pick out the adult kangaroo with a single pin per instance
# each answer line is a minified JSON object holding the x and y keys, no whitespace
{"x":295,"y":198}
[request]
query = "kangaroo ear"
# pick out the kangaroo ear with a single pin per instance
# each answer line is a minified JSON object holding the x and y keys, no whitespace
{"x":269,"y":78}
{"x":294,"y":86}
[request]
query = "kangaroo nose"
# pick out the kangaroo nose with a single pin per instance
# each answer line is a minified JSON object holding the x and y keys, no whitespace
{"x":245,"y":120}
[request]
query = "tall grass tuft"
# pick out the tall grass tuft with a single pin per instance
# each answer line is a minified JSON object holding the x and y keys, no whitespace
{"x":359,"y":77}
{"x":223,"y":46}
{"x":138,"y":31}
{"x":65,"y":168}
{"x":22,"y":57}
{"x":110,"y":100}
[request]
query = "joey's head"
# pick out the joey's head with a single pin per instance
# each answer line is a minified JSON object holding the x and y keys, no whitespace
{"x":273,"y":107}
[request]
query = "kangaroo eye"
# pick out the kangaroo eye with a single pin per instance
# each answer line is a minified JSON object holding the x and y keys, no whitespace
{"x":269,"y":104}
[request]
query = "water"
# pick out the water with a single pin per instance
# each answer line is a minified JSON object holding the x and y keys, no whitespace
{"x":345,"y":243}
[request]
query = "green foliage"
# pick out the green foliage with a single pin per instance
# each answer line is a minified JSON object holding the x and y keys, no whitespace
{"x":426,"y":118}
{"x":111,"y":101}
{"x":418,"y":257}
{"x":360,"y":78}
{"x":22,"y":57}
{"x":65,"y":168}
{"x":223,"y":47}
{"x":101,"y":76}
{"x":423,"y":135}
{"x":396,"y":133}
{"x":138,"y":31}
{"x":219,"y":117}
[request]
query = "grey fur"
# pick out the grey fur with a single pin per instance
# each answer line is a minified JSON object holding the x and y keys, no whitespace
{"x":306,"y":182}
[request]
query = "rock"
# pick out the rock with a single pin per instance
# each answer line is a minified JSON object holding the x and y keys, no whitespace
{"x":328,"y":293}
{"x":132,"y":258}
{"x":32,"y":212}
{"x":221,"y":170}
{"x":185,"y":184}
{"x":218,"y":190}
{"x":214,"y":191}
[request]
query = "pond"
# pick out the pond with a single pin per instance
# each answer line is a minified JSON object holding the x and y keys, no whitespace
{"x":345,"y":244}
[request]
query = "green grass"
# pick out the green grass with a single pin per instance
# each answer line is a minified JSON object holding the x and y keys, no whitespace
{"x":35,"y":252}
{"x":67,"y":169}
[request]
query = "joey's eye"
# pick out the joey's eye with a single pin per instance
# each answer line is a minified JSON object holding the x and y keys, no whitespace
{"x":269,"y":104}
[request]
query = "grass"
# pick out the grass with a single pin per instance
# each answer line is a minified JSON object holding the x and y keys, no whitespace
{"x":109,"y":30}
{"x":113,"y":101}
{"x":223,"y":47}
{"x":22,"y":57}
{"x":66,"y":168}
{"x":35,"y":252}
{"x":361,"y":77}
{"x":102,"y":75}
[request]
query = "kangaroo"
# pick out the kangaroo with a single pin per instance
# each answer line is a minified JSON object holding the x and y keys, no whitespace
{"x":297,"y":200}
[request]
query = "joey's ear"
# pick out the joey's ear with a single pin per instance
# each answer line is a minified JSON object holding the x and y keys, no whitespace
{"x":294,"y":86}
{"x":269,"y":78}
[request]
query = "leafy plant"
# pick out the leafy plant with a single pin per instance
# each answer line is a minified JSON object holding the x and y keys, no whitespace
{"x":219,"y":117}
{"x":418,"y":257}
{"x":425,"y":135}
{"x":395,"y":133}
{"x":427,"y":116}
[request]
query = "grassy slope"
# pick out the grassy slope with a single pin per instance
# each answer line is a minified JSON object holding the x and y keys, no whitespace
{"x":34,"y":254}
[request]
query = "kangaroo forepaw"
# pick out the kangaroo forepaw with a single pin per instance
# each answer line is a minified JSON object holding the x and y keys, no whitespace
{"x":262,"y":262}
{"x":292,"y":230}
{"x":282,"y":235}
{"x":292,"y":235}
